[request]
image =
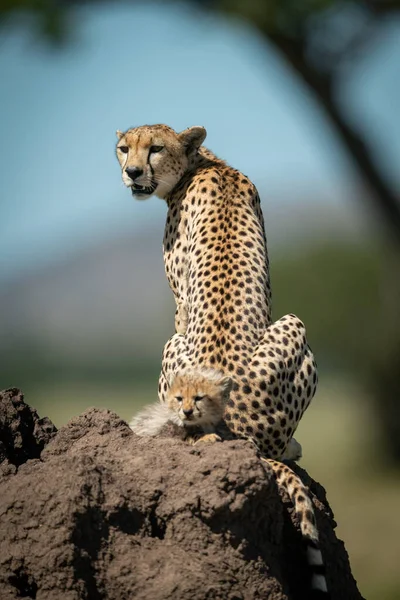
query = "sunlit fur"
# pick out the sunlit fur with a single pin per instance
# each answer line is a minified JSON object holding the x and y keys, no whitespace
{"x":161,"y":170}
{"x":150,"y":420}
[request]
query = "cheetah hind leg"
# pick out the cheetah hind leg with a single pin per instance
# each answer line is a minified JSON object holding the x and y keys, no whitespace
{"x":289,"y":481}
{"x":284,"y":373}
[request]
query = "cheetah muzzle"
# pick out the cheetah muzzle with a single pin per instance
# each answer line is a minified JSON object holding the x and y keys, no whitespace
{"x":141,"y":190}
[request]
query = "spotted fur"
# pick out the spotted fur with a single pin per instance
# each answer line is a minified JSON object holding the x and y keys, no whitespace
{"x":216,"y":263}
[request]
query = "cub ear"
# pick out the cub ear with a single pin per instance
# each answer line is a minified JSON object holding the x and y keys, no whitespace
{"x":193,"y":138}
{"x":226,"y":384}
{"x":170,"y":379}
{"x":119,"y":134}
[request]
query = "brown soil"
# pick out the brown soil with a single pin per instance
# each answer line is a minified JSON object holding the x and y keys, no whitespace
{"x":93,"y":512}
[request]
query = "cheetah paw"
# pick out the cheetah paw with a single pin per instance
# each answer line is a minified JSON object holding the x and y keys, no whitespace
{"x":209,"y":438}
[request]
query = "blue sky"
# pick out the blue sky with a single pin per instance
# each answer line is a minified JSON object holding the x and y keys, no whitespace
{"x":61,"y":185}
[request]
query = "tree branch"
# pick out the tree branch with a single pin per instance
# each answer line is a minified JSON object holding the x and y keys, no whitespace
{"x":385,"y":202}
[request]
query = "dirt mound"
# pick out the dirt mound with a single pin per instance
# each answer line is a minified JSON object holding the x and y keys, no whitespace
{"x":102,"y":514}
{"x":23,"y":435}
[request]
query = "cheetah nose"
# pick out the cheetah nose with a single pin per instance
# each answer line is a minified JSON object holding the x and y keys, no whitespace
{"x":133,"y":172}
{"x":187,"y":412}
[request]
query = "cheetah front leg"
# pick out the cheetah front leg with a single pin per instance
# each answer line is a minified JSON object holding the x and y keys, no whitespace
{"x":174,"y":359}
{"x":181,"y":316}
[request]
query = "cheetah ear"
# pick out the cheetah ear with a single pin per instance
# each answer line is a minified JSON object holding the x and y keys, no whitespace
{"x":226,"y":384}
{"x":193,"y":138}
{"x":119,"y":134}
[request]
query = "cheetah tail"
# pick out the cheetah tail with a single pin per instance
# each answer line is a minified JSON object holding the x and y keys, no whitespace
{"x":299,"y":496}
{"x":151,"y":419}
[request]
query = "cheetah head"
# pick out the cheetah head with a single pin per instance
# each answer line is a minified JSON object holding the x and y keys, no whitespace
{"x":198,"y":398}
{"x":153,"y":158}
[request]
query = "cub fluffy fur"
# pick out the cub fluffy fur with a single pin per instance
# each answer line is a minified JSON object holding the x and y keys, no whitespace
{"x":194,"y":406}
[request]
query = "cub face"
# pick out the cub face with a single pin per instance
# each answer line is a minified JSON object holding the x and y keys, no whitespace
{"x":153,"y":158}
{"x":198,"y":399}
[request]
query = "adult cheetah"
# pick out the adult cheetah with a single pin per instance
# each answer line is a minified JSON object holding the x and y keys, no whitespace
{"x":216,"y":263}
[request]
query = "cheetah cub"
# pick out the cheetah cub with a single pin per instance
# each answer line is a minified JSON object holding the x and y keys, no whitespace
{"x":193,"y":409}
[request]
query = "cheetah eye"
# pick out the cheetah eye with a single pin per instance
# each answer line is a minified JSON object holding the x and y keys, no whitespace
{"x":198,"y":398}
{"x":154,"y":149}
{"x":178,"y":398}
{"x":124,"y":149}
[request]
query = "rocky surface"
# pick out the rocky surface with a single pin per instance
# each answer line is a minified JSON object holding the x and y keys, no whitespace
{"x":23,"y":434}
{"x":93,"y":512}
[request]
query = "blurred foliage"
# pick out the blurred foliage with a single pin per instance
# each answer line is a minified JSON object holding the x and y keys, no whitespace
{"x":275,"y":15}
{"x":321,"y":40}
{"x":332,"y":286}
{"x":335,"y":290}
{"x":50,"y":18}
